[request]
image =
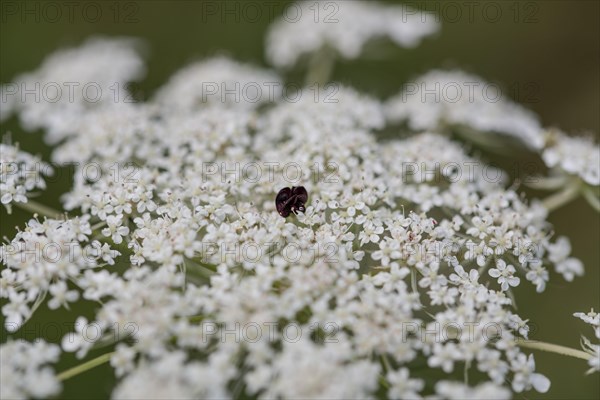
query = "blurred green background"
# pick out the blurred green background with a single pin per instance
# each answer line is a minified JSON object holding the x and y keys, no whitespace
{"x":545,"y":54}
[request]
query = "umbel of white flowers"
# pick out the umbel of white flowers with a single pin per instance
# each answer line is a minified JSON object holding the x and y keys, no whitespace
{"x":396,"y":281}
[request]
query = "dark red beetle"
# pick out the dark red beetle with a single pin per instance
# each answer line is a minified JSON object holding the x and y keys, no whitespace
{"x":291,"y":200}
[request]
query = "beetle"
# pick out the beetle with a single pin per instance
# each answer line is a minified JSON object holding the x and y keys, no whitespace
{"x":290,"y":200}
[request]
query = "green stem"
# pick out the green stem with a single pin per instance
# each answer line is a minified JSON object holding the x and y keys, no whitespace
{"x":386,"y":363}
{"x":553,"y":348}
{"x":98,"y":225}
{"x":546,"y":183}
{"x":196,"y":318}
{"x":563,"y":197}
{"x":512,"y":298}
{"x":491,"y":143}
{"x":320,"y":67}
{"x":71,"y":372}
{"x":383,"y":381}
{"x":199,"y":267}
{"x":37,"y":208}
{"x":413,"y":280}
{"x":592,"y":198}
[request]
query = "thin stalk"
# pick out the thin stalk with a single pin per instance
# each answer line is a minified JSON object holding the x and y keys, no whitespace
{"x":320,"y":67}
{"x":37,"y":208}
{"x":86,"y":366}
{"x":39,"y":300}
{"x":203,"y":270}
{"x":592,"y":198}
{"x":196,"y":318}
{"x":484,"y":267}
{"x":413,"y":280}
{"x":546,"y":183}
{"x":553,"y":348}
{"x":98,"y":225}
{"x":384,"y":382}
{"x":386,"y":368}
{"x":561,"y":198}
{"x":386,"y":363}
{"x":512,"y":298}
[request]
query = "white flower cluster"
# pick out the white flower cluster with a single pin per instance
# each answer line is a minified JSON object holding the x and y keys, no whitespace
{"x":459,"y":391}
{"x":364,"y":238}
{"x":317,"y":119}
{"x":47,"y":258}
{"x":72,"y":81}
{"x":170,"y":376}
{"x":24,"y":372}
{"x":20,"y":174}
{"x":398,"y":274}
{"x":577,"y":156}
{"x":439,"y":99}
{"x":343,"y":26}
{"x":219,"y":81}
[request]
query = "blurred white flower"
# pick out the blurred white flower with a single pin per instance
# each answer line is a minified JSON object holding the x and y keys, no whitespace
{"x":402,"y":386}
{"x":299,"y":372}
{"x":440,"y":98}
{"x":460,"y":391}
{"x":525,"y":377}
{"x":61,"y":296}
{"x":538,"y":275}
{"x":20,"y":174}
{"x":82,"y":340}
{"x":72,"y":81}
{"x":219,"y":81}
{"x":123,"y":360}
{"x":24,"y":369}
{"x":171,"y":376}
{"x":558,"y":253}
{"x":444,"y":356}
{"x":578,"y":156}
{"x":344,"y":26}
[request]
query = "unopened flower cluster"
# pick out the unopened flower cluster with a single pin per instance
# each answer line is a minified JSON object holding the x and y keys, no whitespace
{"x":389,"y":267}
